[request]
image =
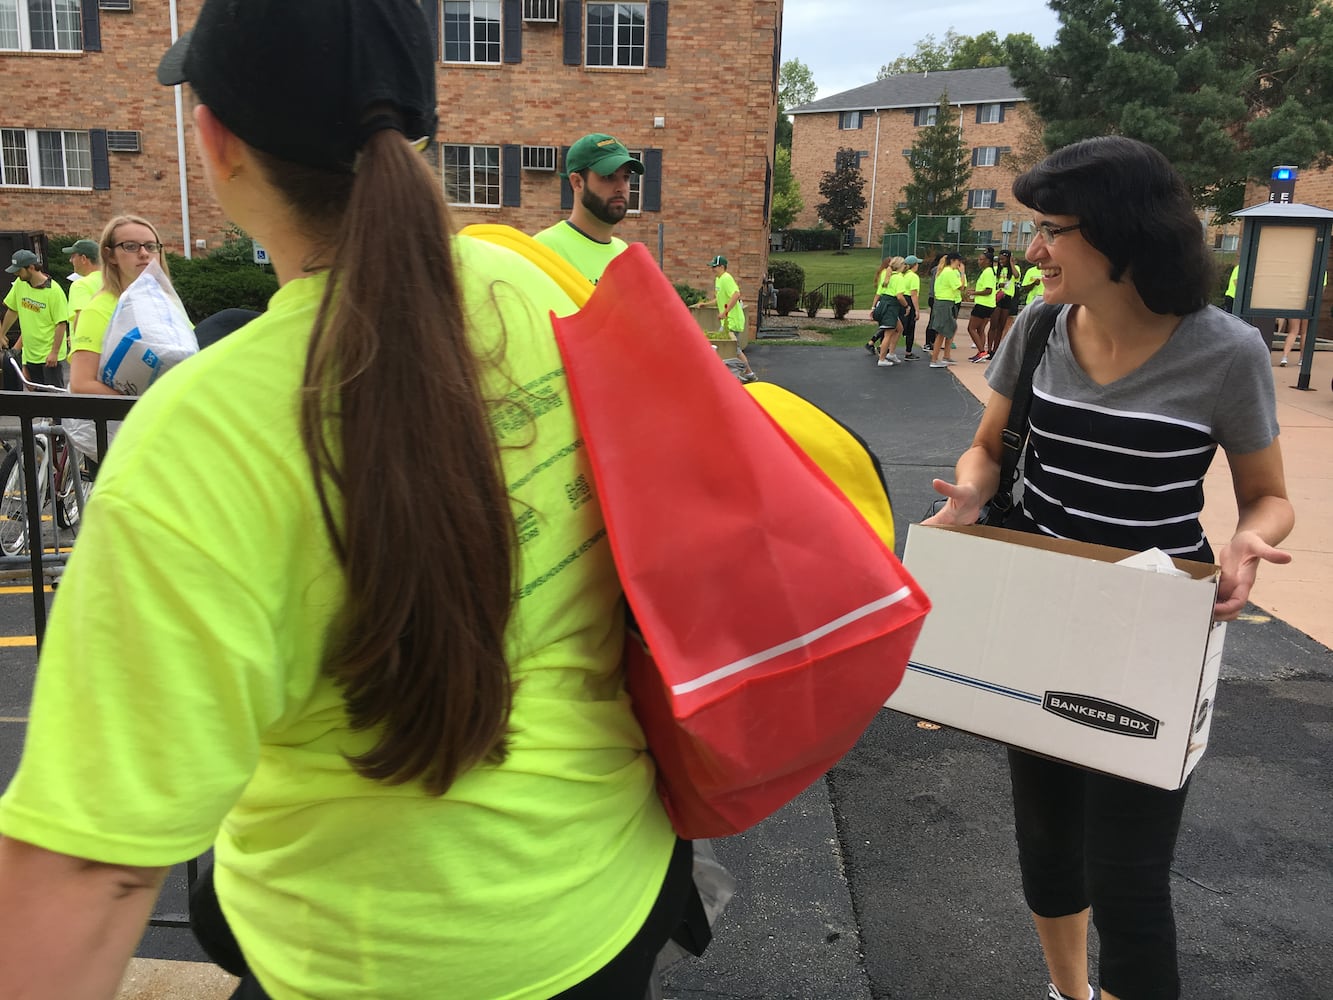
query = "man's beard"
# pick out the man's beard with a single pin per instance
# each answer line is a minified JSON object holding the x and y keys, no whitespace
{"x":602,"y":210}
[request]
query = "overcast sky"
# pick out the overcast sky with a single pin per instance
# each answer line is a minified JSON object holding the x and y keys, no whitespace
{"x":845,"y":42}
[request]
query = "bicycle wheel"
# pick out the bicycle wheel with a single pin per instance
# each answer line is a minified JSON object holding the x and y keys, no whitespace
{"x":72,"y":484}
{"x":13,"y":511}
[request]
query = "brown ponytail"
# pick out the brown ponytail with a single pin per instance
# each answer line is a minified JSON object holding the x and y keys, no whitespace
{"x":395,"y":423}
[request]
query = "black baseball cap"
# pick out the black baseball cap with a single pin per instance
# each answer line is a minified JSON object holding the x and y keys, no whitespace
{"x":299,"y":78}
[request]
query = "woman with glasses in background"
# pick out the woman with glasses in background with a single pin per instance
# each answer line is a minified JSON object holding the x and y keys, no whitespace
{"x":1139,"y":384}
{"x":129,"y":244}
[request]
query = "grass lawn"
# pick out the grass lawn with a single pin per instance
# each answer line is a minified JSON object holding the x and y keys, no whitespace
{"x":857,"y":267}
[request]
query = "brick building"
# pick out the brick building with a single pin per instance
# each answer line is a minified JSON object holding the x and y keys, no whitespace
{"x":882,"y":120}
{"x":87,"y":132}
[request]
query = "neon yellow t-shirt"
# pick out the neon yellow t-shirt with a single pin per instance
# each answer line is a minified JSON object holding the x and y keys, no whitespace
{"x":1035,"y":291}
{"x":948,"y":284}
{"x":912,"y":285}
{"x":882,"y":282}
{"x":40,"y":311}
{"x":985,"y":288}
{"x":1231,"y":282}
{"x":90,"y":330}
{"x":587,"y":255}
{"x":724,"y":287}
{"x":82,"y":292}
{"x":895,"y":286}
{"x":180,"y":699}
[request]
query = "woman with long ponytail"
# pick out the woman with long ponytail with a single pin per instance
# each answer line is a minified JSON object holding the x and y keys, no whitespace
{"x":349,"y":618}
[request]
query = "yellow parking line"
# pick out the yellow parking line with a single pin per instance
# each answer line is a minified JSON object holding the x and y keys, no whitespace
{"x":18,"y":640}
{"x":13,"y":718}
{"x":23,"y":590}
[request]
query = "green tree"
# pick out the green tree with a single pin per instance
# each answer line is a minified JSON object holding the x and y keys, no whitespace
{"x":843,"y":189}
{"x":796,"y":86}
{"x":955,"y":52}
{"x":1226,"y":89}
{"x":941,"y":169}
{"x":787,"y":201}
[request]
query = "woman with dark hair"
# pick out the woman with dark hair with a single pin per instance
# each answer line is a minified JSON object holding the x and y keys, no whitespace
{"x":1140,"y":383}
{"x":1006,"y":305}
{"x":341,"y":610}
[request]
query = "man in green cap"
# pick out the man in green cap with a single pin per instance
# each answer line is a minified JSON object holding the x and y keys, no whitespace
{"x":42,"y":311}
{"x":85,"y":260}
{"x":598,"y":168}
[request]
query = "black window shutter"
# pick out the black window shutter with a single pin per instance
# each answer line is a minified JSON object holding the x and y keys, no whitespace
{"x":433,"y":17}
{"x":92,"y":27}
{"x":976,"y":155}
{"x":573,"y":38}
{"x":768,"y":186}
{"x":980,"y":108}
{"x":651,"y":191}
{"x":657,"y":32}
{"x":513,"y":31}
{"x":1001,"y":112}
{"x":566,"y":192}
{"x":101,"y":159}
{"x":511,"y":175}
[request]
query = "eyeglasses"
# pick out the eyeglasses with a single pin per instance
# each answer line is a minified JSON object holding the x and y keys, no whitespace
{"x":134,"y":246}
{"x":1049,"y":232}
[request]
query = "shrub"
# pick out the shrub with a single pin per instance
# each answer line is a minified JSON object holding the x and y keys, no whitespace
{"x":206,"y":285}
{"x":788,"y":300}
{"x":688,"y":293}
{"x":812,"y":302}
{"x":787,"y":274}
{"x":842,"y":304}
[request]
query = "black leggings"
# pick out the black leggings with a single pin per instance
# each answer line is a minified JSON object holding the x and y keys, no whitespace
{"x":678,"y":915}
{"x":1088,"y":839}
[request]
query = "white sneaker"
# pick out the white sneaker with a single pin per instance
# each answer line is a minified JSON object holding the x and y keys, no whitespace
{"x":950,"y":361}
{"x":938,"y":364}
{"x":1053,"y":994}
{"x":886,"y":363}
{"x":1282,"y":363}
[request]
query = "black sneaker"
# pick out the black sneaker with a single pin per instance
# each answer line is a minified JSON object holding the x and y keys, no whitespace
{"x":911,"y":356}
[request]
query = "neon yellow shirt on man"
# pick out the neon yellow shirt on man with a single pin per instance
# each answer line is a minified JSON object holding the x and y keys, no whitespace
{"x":180,"y":700}
{"x":1036,"y":291}
{"x":82,"y":292}
{"x":724,"y":287}
{"x":587,"y":255}
{"x":39,"y":311}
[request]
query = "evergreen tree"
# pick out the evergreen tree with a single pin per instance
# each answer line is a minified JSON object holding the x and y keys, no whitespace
{"x":843,"y":189}
{"x":787,"y":201}
{"x":941,"y":169}
{"x":1226,"y":89}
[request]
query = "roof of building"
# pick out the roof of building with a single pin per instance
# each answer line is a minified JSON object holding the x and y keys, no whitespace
{"x":919,"y":90}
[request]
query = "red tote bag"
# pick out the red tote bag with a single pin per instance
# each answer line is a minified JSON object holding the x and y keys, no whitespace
{"x":775,"y":620}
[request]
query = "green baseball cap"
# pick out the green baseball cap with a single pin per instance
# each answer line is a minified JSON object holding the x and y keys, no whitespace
{"x":601,"y":153}
{"x":718,"y":261}
{"x":22,"y":259}
{"x":86,"y":247}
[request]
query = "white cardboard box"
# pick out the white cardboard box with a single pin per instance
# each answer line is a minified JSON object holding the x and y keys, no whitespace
{"x":1048,"y":645}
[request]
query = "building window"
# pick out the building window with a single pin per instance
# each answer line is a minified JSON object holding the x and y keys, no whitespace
{"x":982,"y":237}
{"x":985,"y":156}
{"x":41,"y":25}
{"x":617,"y":34}
{"x":990,"y":114}
{"x":1230,"y":242}
{"x":470,"y":31}
{"x":471,"y":174}
{"x":47,"y":158}
{"x":926,"y":116}
{"x":981,"y":198}
{"x":849,"y":119}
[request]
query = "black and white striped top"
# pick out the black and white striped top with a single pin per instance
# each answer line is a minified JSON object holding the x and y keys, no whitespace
{"x":1123,"y":464}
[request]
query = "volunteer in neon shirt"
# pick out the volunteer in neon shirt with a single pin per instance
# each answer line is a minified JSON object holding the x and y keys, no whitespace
{"x":598,"y":168}
{"x":944,"y":313}
{"x":1032,"y":285}
{"x":898,"y":305}
{"x":39,"y":305}
{"x":402,"y":726}
{"x":983,"y":303}
{"x":83,"y":258}
{"x":129,"y":244}
{"x":730,"y":309}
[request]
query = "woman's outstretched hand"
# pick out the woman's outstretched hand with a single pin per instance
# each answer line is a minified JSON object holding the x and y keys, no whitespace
{"x":963,"y":506}
{"x":1240,"y":560}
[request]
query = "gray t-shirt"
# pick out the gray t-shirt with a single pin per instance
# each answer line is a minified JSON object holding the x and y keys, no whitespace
{"x":1123,"y":464}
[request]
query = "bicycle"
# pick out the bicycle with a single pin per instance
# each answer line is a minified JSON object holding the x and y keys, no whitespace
{"x":60,"y":473}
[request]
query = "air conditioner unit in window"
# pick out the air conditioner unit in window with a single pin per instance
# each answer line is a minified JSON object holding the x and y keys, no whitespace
{"x":541,"y":10}
{"x":539,"y":157}
{"x":122,"y":142}
{"x":115,"y":4}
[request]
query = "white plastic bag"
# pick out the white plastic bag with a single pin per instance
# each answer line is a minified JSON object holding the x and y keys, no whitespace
{"x":149,"y":333}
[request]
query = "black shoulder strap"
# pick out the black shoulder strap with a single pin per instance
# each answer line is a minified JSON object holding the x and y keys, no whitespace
{"x":1016,"y":433}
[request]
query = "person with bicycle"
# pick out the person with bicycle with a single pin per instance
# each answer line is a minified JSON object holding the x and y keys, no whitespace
{"x":339,"y":565}
{"x":38,"y":302}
